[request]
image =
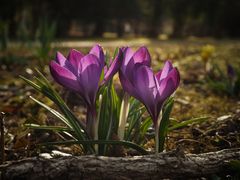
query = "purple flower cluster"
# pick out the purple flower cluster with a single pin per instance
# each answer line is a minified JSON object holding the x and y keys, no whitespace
{"x":82,"y":74}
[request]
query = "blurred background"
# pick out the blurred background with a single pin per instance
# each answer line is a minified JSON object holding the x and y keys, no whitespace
{"x":121,"y":18}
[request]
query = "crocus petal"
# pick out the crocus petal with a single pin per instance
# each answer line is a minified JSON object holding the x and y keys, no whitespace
{"x":127,"y":85}
{"x":166,"y":69}
{"x":114,"y":67}
{"x":105,"y":69}
{"x":89,"y":77}
{"x":145,"y":85}
{"x":175,"y":76}
{"x":74,"y":57}
{"x":86,"y":61}
{"x":128,"y":54}
{"x":63,"y":76}
{"x":168,"y":85}
{"x":158,"y":75}
{"x":142,"y":56}
{"x":60,"y":59}
{"x":98,"y":52}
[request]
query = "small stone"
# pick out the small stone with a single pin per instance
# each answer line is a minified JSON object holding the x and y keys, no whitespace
{"x":29,"y":71}
{"x":45,"y":156}
{"x":59,"y":153}
{"x":223,"y":118}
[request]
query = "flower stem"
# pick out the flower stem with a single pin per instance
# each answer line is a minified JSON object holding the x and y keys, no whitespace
{"x":91,"y":121}
{"x":157,"y":126}
{"x":123,"y":116}
{"x":96,"y":124}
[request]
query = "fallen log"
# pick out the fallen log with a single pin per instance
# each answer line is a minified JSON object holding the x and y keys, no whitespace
{"x":171,"y":165}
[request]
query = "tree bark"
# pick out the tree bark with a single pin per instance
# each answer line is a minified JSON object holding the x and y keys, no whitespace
{"x":174,"y":165}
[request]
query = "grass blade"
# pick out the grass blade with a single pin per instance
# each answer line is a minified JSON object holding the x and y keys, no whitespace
{"x":163,"y":129}
{"x":92,"y":142}
{"x":185,"y":123}
{"x":44,"y":127}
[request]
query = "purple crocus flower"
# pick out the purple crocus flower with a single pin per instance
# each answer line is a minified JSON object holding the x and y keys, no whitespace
{"x":131,"y":59}
{"x":81,"y":73}
{"x":138,"y":79}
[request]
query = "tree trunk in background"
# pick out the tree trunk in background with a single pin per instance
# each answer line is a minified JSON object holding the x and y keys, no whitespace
{"x":99,"y":28}
{"x":177,"y":30}
{"x":156,"y":18}
{"x":180,"y":11}
{"x":120,"y":28}
{"x":172,"y":165}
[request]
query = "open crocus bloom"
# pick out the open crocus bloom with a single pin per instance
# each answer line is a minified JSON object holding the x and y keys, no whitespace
{"x":138,"y":79}
{"x":131,"y":59}
{"x":81,"y":73}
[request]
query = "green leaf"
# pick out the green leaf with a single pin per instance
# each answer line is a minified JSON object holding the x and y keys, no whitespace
{"x":42,"y":85}
{"x":136,"y":111}
{"x":55,"y":97}
{"x":115,"y":52}
{"x":163,"y":128}
{"x":109,"y":115}
{"x":144,"y":128}
{"x":31,"y":83}
{"x":44,"y":127}
{"x":187,"y":122}
{"x":54,"y":112}
{"x":101,"y":77}
{"x":104,"y":119}
{"x":92,"y":142}
{"x":116,"y":104}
